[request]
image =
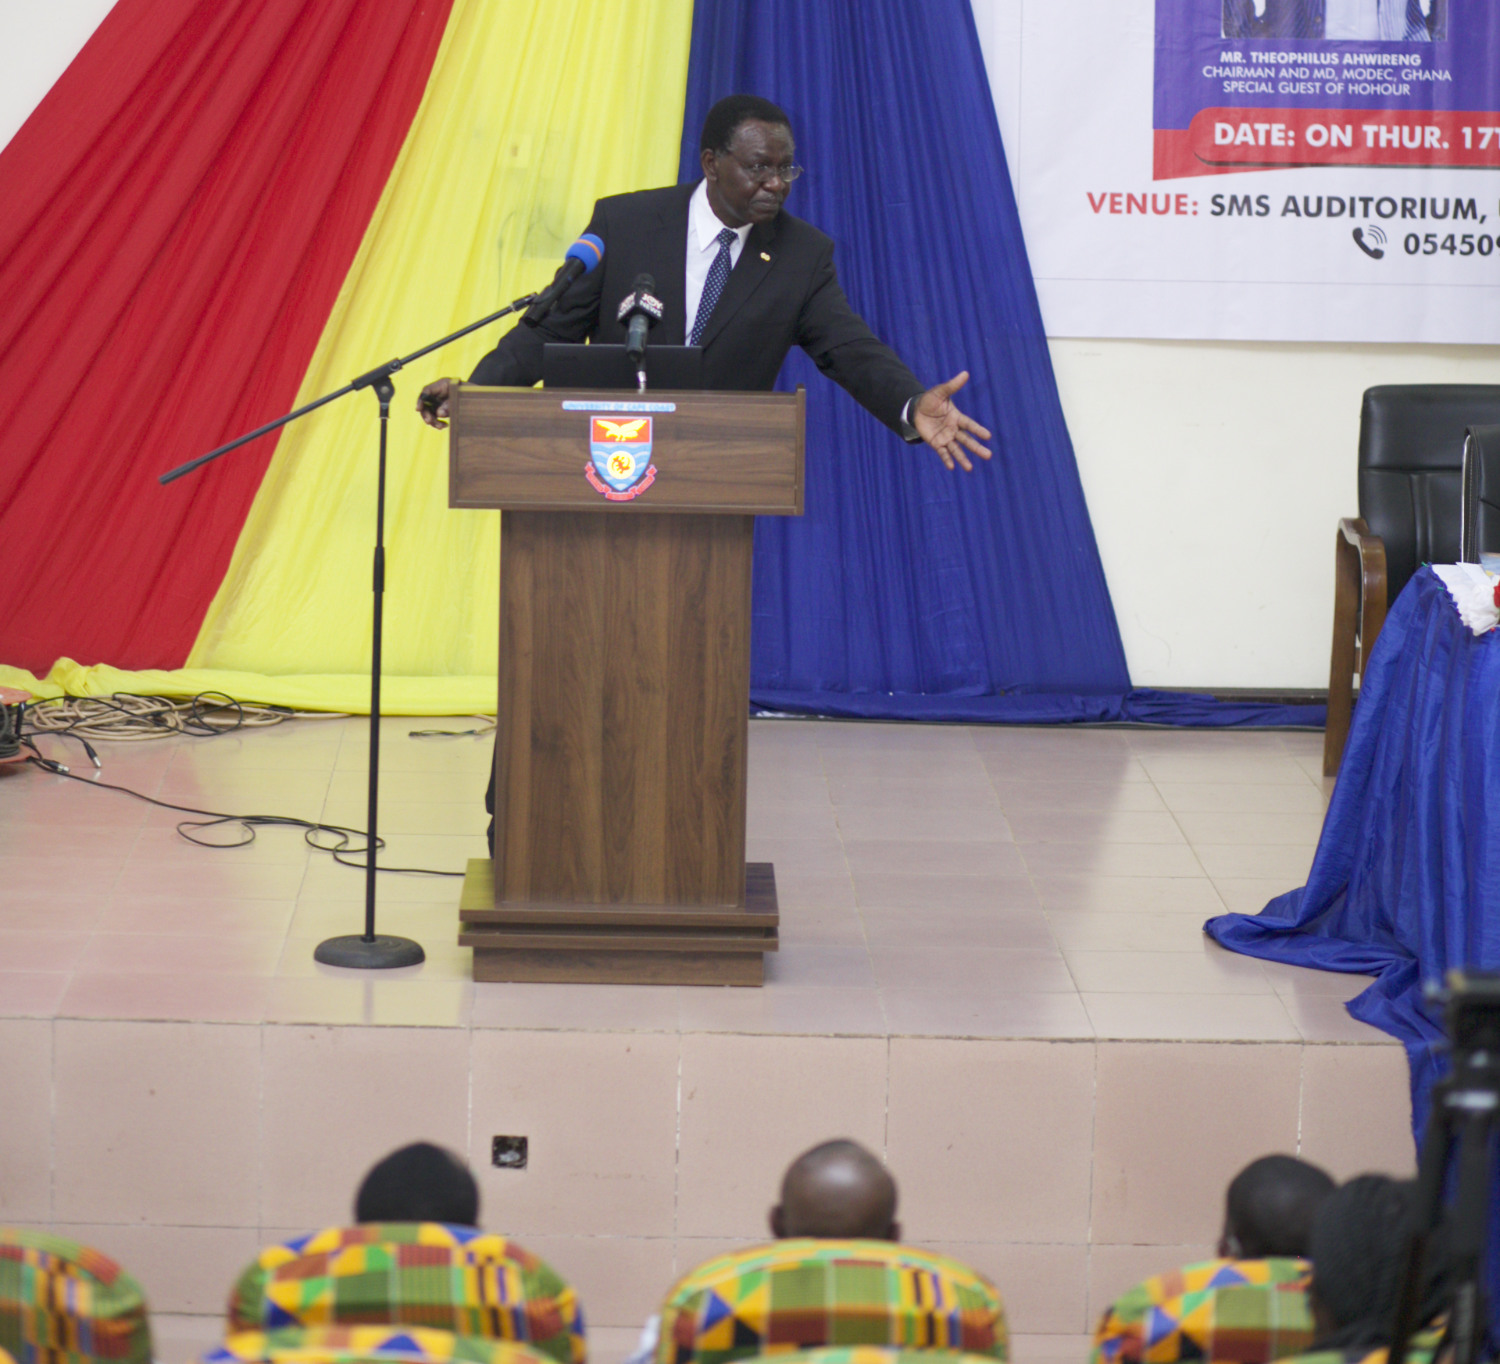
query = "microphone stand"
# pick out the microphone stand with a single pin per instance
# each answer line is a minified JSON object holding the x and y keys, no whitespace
{"x":368,"y":950}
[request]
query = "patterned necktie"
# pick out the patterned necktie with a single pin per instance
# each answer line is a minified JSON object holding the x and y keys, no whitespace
{"x":713,"y":286}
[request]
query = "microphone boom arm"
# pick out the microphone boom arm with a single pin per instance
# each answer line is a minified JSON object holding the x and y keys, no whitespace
{"x":369,"y":379}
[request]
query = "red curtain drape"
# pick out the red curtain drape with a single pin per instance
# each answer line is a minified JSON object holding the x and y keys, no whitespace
{"x":178,"y":216}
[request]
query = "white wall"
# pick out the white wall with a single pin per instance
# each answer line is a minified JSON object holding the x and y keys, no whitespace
{"x":37,"y":41}
{"x":1215,"y":473}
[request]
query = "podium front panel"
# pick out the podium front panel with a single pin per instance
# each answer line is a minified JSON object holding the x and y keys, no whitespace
{"x":623,"y":715}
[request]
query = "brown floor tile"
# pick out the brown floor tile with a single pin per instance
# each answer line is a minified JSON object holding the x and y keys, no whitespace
{"x":1095,"y":826}
{"x":1130,"y":894}
{"x":919,"y":857}
{"x":984,"y":1013}
{"x":919,"y":892}
{"x":1077,"y":796}
{"x":1356,"y":1110}
{"x":862,"y":823}
{"x":160,"y":997}
{"x":936,"y":968}
{"x":336,"y":1100}
{"x":959,"y":929}
{"x":1208,"y":1018}
{"x":969,"y":1171}
{"x":156,"y":1122}
{"x":1125,"y":931}
{"x":1210,"y":970}
{"x":31,"y":994}
{"x":600,"y":1112}
{"x":1163,"y":1182}
{"x":812,"y":1010}
{"x":1111,"y":859}
{"x":777,"y":1096}
{"x":26,"y":1099}
{"x":1325,"y":1018}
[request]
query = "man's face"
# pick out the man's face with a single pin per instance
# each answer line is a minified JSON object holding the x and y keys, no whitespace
{"x":736,"y":194}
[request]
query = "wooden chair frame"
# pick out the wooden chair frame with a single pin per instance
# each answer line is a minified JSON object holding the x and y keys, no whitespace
{"x":1359,"y":604}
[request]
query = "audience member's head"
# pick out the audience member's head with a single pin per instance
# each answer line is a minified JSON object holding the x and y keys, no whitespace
{"x":419,"y":1183}
{"x":1358,"y":1252}
{"x":837,"y":1189}
{"x":1270,"y":1206}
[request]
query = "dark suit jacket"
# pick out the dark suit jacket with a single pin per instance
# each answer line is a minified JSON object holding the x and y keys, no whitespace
{"x":782,"y":292}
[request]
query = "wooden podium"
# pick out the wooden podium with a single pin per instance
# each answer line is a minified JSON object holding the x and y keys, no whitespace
{"x":624,"y":678}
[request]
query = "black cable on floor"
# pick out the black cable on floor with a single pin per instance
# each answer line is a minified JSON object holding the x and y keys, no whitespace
{"x":341,"y":852}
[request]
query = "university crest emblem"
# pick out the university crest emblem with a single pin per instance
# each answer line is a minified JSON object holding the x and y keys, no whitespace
{"x":620,"y":457}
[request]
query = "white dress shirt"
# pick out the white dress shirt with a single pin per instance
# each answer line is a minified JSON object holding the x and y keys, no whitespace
{"x":703,"y":245}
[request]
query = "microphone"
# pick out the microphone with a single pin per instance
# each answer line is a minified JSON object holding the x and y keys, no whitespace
{"x":578,"y":260}
{"x":640,"y":310}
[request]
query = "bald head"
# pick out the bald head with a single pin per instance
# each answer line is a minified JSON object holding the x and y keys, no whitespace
{"x":840,"y":1190}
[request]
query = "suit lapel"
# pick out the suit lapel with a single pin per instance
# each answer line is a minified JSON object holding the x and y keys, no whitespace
{"x":668,"y":256}
{"x":753,"y":266}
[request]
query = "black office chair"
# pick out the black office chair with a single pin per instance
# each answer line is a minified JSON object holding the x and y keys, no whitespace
{"x":1411,"y":444}
{"x":1481,"y":497}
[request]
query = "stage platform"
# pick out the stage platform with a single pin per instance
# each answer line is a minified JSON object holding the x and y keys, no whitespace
{"x":991,"y":970}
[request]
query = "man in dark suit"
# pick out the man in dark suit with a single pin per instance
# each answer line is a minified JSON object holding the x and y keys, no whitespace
{"x":739,"y":276}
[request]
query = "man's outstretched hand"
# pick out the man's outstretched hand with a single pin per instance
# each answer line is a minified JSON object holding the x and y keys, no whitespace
{"x":432,"y":403}
{"x":945,"y":428}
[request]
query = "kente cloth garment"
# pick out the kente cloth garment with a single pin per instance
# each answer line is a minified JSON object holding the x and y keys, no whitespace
{"x":455,"y":1279}
{"x":1422,"y":1347}
{"x":805,"y":1294}
{"x":1218,"y":1312}
{"x":713,"y":286}
{"x":63,"y":1303}
{"x":352,"y":1344}
{"x":879,"y":1354}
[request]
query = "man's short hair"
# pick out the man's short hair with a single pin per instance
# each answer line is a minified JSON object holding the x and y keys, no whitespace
{"x":725,"y":117}
{"x":1270,"y":1206}
{"x":419,"y":1183}
{"x":1358,"y":1251}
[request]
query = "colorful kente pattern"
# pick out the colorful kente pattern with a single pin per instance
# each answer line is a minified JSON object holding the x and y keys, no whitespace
{"x":353,"y":1344}
{"x":1421,"y":1349}
{"x":806,"y":1294}
{"x":454,"y":1279}
{"x":1219,"y":1311}
{"x":880,"y":1354}
{"x":62,"y":1303}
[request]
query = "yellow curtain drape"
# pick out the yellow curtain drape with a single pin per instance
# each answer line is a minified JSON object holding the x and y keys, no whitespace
{"x":532,"y":112}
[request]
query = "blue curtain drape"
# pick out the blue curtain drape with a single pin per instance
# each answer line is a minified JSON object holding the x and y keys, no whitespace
{"x":904,"y":580}
{"x":1406,"y":879}
{"x":1405,"y":884}
{"x":906,"y":591}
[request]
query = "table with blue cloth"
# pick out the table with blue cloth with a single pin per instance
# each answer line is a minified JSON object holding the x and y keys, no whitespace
{"x":1406,"y":879}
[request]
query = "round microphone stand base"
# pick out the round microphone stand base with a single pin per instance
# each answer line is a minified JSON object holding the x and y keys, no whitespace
{"x":383,"y":952}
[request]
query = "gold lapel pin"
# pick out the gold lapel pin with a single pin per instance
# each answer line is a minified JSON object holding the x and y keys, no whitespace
{"x":765,"y":255}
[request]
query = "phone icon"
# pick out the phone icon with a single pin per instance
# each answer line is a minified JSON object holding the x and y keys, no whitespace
{"x":1375,"y":252}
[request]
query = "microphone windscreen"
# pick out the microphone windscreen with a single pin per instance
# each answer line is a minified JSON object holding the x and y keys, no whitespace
{"x":588,"y":249}
{"x":645,"y":284}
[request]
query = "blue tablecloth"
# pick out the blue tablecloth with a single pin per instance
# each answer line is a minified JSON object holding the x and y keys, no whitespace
{"x":1406,"y":879}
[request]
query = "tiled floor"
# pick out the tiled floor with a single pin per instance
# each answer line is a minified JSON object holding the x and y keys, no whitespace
{"x":934,"y":881}
{"x":992,"y":970}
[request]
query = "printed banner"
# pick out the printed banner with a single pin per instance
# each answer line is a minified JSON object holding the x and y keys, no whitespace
{"x":1314,"y":169}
